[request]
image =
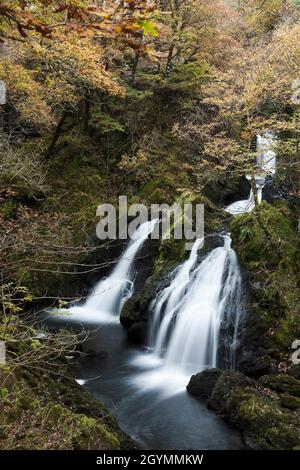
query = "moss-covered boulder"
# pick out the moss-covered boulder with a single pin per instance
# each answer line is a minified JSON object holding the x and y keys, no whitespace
{"x":267,"y":243}
{"x":259,"y":413}
{"x":43,"y":412}
{"x":202,"y":384}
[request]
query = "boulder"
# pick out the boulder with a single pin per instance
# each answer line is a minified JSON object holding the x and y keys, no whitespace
{"x":226,"y":382}
{"x":266,"y":419}
{"x":137,"y":333}
{"x":202,"y":384}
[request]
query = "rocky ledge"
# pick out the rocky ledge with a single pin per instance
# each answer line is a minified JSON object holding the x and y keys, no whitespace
{"x":267,"y":412}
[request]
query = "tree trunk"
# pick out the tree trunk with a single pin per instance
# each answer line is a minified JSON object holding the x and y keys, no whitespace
{"x":135,"y":66}
{"x":86,"y":115}
{"x":56,"y":135}
{"x":169,"y":61}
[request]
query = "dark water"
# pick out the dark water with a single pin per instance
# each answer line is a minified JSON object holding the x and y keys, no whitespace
{"x":153,"y":409}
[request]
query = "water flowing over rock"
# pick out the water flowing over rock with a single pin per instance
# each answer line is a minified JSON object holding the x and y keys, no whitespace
{"x":107,"y":298}
{"x":266,"y":163}
{"x":188,"y":314}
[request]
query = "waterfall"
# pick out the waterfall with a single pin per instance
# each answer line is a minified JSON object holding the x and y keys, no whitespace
{"x":266,"y":159}
{"x":188,"y":314}
{"x":107,"y":298}
{"x":266,"y":165}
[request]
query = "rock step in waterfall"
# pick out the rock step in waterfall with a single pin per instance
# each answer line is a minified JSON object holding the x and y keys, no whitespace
{"x":105,"y":302}
{"x":266,"y":163}
{"x":187,"y":316}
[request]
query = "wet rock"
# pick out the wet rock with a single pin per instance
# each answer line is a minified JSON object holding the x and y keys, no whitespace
{"x":137,"y":333}
{"x":254,"y":365}
{"x":262,"y":416}
{"x":210,"y":243}
{"x":271,"y":192}
{"x":130,"y":313}
{"x":225,"y":191}
{"x":202,"y":384}
{"x":226,"y":382}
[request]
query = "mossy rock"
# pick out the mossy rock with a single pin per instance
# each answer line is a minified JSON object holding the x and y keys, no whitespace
{"x":55,"y":413}
{"x":288,"y":401}
{"x":202,"y":384}
{"x":223,"y":388}
{"x":267,"y":243}
{"x":256,"y":411}
{"x":282,"y":384}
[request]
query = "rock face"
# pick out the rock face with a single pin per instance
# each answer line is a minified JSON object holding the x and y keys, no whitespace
{"x":228,"y":190}
{"x":262,"y":415}
{"x":267,"y":243}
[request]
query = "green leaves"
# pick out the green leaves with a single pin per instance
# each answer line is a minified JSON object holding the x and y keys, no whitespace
{"x":245,"y":233}
{"x":149,"y":28}
{"x":104,"y":123}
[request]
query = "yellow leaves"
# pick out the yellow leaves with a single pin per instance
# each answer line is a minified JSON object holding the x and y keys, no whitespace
{"x":74,"y":64}
{"x":52,"y":19}
{"x":136,"y":162}
{"x":51,"y":76}
{"x":25,"y":94}
{"x":262,"y":15}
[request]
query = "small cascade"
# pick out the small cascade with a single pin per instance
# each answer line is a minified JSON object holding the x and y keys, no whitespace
{"x":108,"y":297}
{"x":266,"y":163}
{"x":266,"y":159}
{"x":188,"y":314}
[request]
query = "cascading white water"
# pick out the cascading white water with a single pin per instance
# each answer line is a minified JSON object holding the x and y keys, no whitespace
{"x":169,"y":300}
{"x":188,"y":314}
{"x":107,"y":298}
{"x":266,"y":159}
{"x":266,"y":165}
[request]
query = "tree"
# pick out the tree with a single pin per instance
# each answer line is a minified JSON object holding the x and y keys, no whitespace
{"x":50,"y":18}
{"x":60,"y":66}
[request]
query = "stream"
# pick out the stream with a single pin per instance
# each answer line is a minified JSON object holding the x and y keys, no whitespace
{"x":156,"y":414}
{"x":194,"y":317}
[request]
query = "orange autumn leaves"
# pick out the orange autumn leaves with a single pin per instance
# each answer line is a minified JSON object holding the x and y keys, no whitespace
{"x":51,"y":19}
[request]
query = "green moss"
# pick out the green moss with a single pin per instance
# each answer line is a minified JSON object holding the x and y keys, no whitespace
{"x":47,"y":411}
{"x":156,"y":191}
{"x":8,"y":209}
{"x":268,"y":246}
{"x":287,"y":401}
{"x":282,"y":384}
{"x":255,"y":411}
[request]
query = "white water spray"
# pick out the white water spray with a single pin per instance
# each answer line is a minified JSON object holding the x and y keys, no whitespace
{"x":108,"y":297}
{"x":266,"y":165}
{"x":188,"y":316}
